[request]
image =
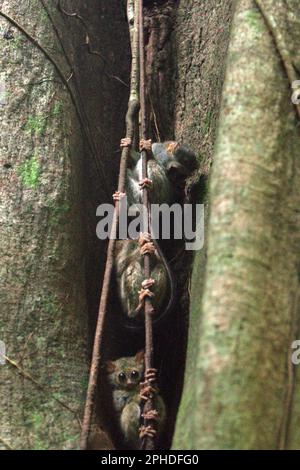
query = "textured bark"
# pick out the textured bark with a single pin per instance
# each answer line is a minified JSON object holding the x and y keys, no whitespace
{"x":182,"y":38}
{"x":43,"y":301}
{"x":184,"y":44}
{"x":240,"y":391}
{"x":49,"y":193}
{"x":202,"y":32}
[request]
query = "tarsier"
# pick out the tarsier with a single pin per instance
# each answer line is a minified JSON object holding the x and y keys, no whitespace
{"x":169,"y":165}
{"x":125,"y":376}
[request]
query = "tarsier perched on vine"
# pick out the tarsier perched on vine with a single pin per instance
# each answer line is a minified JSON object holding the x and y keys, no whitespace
{"x":125,"y":376}
{"x":169,"y":165}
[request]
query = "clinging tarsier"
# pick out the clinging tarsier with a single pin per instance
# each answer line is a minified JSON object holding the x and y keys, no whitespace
{"x":129,"y":268}
{"x":125,"y":376}
{"x":169,"y":164}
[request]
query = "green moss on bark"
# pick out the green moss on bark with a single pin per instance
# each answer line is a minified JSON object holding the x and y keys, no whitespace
{"x":238,"y":394}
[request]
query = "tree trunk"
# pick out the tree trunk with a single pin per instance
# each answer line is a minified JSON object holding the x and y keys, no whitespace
{"x":60,"y":131}
{"x":240,"y":384}
{"x":51,"y":184}
{"x":43,"y":299}
{"x":180,"y":59}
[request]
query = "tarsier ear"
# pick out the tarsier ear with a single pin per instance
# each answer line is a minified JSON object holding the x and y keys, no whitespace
{"x":110,"y":367}
{"x":172,"y":146}
{"x":139,"y":357}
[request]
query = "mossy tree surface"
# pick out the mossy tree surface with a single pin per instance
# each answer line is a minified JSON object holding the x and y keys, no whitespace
{"x":186,"y":47}
{"x":43,"y":318}
{"x":187,"y":53}
{"x":57,"y":166}
{"x":241,"y":390}
{"x":239,"y":387}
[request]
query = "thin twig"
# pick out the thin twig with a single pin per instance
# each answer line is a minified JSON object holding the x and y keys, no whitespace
{"x":23,"y":354}
{"x":148,"y":423}
{"x":29,"y":377}
{"x":92,"y":52}
{"x":81,"y":105}
{"x":37,"y":44}
{"x":133,"y":106}
{"x":155,"y":122}
{"x":88,"y":43}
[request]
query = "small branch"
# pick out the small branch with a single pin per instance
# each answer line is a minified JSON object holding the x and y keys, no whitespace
{"x":92,"y":52}
{"x":29,"y":377}
{"x":46,"y":80}
{"x":6,"y":444}
{"x":81,"y":107}
{"x":282,"y":50}
{"x":155,"y":122}
{"x":93,"y":385}
{"x":37,"y":44}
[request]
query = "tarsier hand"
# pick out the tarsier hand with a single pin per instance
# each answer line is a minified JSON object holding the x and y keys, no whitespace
{"x":144,"y":238}
{"x":147,"y":247}
{"x":118,"y":195}
{"x":145,"y":183}
{"x":146,"y":145}
{"x":126,"y":142}
{"x":147,"y":431}
{"x":143,"y":293}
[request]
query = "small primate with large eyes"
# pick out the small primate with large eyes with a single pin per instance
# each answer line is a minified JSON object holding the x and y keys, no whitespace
{"x":124,"y":377}
{"x":169,"y":165}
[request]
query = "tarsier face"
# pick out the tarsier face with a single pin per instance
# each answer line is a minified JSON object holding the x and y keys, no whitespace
{"x":127,"y":372}
{"x":181,"y":164}
{"x":187,"y":158}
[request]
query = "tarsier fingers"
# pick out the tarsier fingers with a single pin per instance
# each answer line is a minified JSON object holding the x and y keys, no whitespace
{"x":151,"y":415}
{"x":148,"y":283}
{"x":126,"y":142}
{"x":147,"y":431}
{"x":117,"y":196}
{"x":172,"y":147}
{"x":146,"y":183}
{"x":143,"y":294}
{"x":147,"y":391}
{"x":150,"y":375}
{"x":144,"y":238}
{"x":148,"y":249}
{"x":146,"y":145}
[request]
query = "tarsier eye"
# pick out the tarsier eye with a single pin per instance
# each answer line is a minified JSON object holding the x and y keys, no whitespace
{"x":134,"y":374}
{"x":122,"y":377}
